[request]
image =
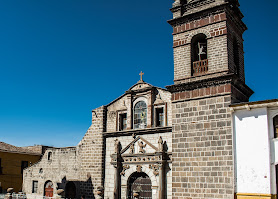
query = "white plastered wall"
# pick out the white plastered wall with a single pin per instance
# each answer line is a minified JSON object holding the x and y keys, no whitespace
{"x":252,"y":151}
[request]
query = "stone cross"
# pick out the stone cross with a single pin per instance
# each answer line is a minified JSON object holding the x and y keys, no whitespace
{"x":141,"y":74}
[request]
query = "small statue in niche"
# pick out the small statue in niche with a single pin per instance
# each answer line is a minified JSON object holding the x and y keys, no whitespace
{"x":131,"y":149}
{"x":160,"y":144}
{"x":141,"y":147}
{"x":117,"y":146}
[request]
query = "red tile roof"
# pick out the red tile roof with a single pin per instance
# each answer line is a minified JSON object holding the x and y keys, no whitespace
{"x":4,"y":147}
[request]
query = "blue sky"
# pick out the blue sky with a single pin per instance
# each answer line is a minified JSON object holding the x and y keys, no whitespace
{"x":59,"y":59}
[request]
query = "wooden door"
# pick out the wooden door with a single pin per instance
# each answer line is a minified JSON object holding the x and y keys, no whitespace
{"x":70,"y":190}
{"x":141,"y":184}
{"x":48,"y":189}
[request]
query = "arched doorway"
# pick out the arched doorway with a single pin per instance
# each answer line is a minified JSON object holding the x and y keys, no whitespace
{"x":141,"y":184}
{"x":48,"y":189}
{"x":70,"y":191}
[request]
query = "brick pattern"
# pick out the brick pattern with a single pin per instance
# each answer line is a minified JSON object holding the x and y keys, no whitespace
{"x":216,"y":49}
{"x":202,"y":92}
{"x":234,"y":33}
{"x":202,"y":149}
{"x":201,"y":23}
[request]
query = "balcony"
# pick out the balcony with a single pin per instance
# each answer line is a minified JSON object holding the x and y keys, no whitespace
{"x":200,"y":67}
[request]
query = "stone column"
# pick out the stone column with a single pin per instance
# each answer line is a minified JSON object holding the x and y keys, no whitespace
{"x":162,"y":181}
{"x":117,"y":180}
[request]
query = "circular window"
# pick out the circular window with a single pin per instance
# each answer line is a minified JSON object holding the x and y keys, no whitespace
{"x":140,"y":115}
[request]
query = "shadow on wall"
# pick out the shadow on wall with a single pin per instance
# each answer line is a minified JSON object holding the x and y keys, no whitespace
{"x":77,"y":189}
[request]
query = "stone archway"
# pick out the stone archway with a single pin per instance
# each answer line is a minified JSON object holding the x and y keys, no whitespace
{"x":139,"y":186}
{"x":48,"y":189}
{"x":70,"y":190}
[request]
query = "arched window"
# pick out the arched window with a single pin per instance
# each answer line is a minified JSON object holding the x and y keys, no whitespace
{"x":140,"y":115}
{"x":49,"y":157}
{"x":275,"y":123}
{"x":199,"y":55}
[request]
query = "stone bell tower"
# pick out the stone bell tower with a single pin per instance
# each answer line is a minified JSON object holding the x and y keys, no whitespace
{"x":208,"y":77}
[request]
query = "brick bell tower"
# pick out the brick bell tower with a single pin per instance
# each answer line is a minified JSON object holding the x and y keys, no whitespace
{"x":208,"y":77}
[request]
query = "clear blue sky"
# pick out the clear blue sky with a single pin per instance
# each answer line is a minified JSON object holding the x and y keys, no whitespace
{"x":59,"y":59}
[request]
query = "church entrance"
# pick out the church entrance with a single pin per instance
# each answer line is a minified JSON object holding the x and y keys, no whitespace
{"x":139,"y":186}
{"x":48,"y":189}
{"x":70,"y":190}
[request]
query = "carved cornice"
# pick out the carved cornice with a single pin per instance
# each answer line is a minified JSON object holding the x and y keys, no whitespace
{"x":200,"y":83}
{"x":226,"y":7}
{"x":215,"y":81}
{"x":147,"y":158}
{"x":138,"y":132}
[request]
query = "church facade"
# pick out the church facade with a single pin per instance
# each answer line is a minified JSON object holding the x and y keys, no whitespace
{"x":174,"y":143}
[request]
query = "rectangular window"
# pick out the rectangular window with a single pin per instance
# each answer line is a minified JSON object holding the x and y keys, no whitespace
{"x":275,"y":123}
{"x":159,"y":117}
{"x":24,"y":164}
{"x":123,"y":122}
{"x":1,"y":169}
{"x":35,"y":187}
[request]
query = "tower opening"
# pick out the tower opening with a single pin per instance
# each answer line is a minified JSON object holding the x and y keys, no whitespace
{"x":199,"y":57}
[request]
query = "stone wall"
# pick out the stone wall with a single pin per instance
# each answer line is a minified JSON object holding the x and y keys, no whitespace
{"x":203,"y":148}
{"x":62,"y":166}
{"x":91,"y":151}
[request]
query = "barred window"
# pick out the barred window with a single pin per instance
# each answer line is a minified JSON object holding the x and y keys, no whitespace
{"x":159,"y":117}
{"x":35,"y":187}
{"x":123,"y":122}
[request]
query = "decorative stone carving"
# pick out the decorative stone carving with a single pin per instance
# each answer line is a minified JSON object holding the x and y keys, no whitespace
{"x":158,"y":99}
{"x":125,"y":167}
{"x":134,"y":136}
{"x":131,"y":149}
{"x":141,"y":147}
{"x":112,"y":114}
{"x":100,"y":191}
{"x":117,"y":146}
{"x":155,"y":169}
{"x":139,"y":168}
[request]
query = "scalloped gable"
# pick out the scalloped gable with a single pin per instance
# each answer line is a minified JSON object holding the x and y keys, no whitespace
{"x":140,"y":85}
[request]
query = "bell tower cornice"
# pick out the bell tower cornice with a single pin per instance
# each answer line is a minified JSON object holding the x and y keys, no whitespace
{"x":187,"y":8}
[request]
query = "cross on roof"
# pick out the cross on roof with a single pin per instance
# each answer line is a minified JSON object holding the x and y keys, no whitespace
{"x":141,"y":74}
